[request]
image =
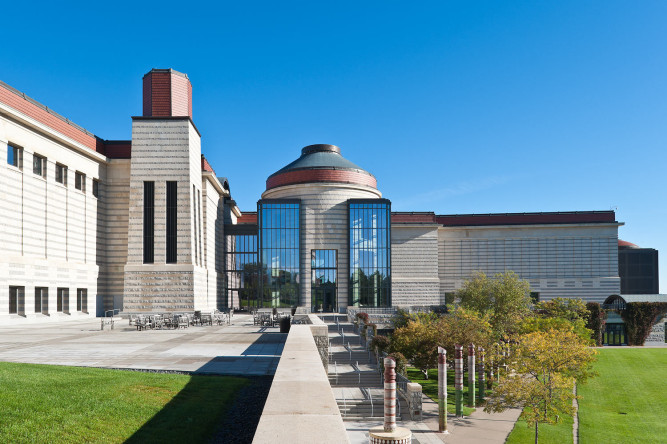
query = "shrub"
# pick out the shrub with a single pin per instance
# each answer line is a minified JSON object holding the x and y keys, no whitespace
{"x":381,"y":344}
{"x":639,"y":318}
{"x":401,"y":362}
{"x":596,"y":321}
{"x":363,"y":317}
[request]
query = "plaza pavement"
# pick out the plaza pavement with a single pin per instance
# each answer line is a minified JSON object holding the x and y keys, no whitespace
{"x":478,"y":428}
{"x":238,"y":349}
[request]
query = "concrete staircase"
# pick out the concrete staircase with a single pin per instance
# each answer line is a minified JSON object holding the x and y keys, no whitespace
{"x":353,"y":374}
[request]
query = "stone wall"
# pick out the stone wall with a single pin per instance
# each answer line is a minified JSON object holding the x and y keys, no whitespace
{"x":414,"y":265}
{"x":578,"y":260}
{"x":50,"y":231}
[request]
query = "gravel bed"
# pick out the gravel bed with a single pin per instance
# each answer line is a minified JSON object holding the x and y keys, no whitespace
{"x":238,"y":425}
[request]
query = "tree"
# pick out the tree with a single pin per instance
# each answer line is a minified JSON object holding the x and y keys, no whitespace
{"x":505,"y":298}
{"x":559,"y":314}
{"x":418,"y":342}
{"x":463,"y":327}
{"x":547,"y":364}
{"x":566,"y":308}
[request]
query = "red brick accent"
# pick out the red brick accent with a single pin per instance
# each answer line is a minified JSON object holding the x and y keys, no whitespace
{"x":573,"y":217}
{"x":22,"y":105}
{"x":249,"y":217}
{"x":205,"y":166}
{"x":118,"y":149}
{"x":413,"y":218}
{"x":320,"y":175}
{"x":167,"y":94}
{"x":160,"y":94}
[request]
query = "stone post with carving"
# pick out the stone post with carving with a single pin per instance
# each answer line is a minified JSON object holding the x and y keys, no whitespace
{"x":481,"y":380}
{"x":442,"y":390}
{"x":471,"y":376}
{"x":389,"y":433}
{"x":458,"y":378}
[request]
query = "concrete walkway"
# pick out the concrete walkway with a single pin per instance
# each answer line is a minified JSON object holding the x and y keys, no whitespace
{"x":479,"y":427}
{"x":238,"y":349}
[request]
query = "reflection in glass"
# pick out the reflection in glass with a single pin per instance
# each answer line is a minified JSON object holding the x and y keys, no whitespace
{"x":242,"y":271}
{"x":323,"y":281}
{"x":370,"y":253}
{"x":279,"y":245}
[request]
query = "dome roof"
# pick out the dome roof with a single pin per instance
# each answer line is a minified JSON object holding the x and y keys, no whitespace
{"x":626,"y":244}
{"x":320,"y":163}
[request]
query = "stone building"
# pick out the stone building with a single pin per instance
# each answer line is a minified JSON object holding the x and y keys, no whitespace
{"x":145,"y":225}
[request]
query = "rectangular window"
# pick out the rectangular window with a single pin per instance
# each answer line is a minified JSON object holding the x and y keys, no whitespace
{"x":82,"y":300}
{"x":370,"y":253}
{"x":39,"y":165}
{"x":279,"y":250}
{"x":149,"y":221}
{"x":15,"y":156}
{"x":62,"y":300}
{"x":17,"y":300}
{"x":61,"y":174}
{"x":200,"y":228}
{"x":96,"y":188}
{"x":172,"y":221}
{"x":42,"y":300}
{"x":194,"y":220}
{"x":80,"y":181}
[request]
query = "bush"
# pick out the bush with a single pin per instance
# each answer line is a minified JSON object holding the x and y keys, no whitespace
{"x":401,"y":362}
{"x":639,"y":318}
{"x":363,"y":317}
{"x":380,"y":344}
{"x":596,"y":321}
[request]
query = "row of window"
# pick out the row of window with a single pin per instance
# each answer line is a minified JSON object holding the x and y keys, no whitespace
{"x":17,"y":300}
{"x":39,"y":167}
{"x":172,"y":223}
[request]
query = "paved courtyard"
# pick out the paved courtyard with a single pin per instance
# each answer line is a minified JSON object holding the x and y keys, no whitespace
{"x":238,"y":349}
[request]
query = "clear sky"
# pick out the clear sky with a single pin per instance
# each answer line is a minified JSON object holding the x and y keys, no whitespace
{"x":455,"y":107}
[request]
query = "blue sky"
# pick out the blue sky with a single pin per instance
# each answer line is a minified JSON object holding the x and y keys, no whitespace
{"x":456,"y":107}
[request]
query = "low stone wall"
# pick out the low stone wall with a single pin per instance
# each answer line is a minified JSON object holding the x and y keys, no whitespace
{"x":301,"y":407}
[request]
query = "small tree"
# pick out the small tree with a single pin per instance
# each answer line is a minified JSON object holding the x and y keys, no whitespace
{"x":505,"y":298}
{"x":463,"y":327}
{"x":547,"y":364}
{"x":418,"y":342}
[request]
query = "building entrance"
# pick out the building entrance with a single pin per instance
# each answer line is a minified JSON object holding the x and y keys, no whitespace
{"x":324,"y":299}
{"x":323,"y":289}
{"x":614,"y":335}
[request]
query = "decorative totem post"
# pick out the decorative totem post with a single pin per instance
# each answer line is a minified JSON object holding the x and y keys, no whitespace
{"x":458,"y":379}
{"x":442,"y":390}
{"x":481,"y":376}
{"x":389,"y":433}
{"x":471,"y":376}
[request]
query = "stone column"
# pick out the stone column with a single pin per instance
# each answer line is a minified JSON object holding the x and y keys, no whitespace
{"x":458,"y":378}
{"x":471,"y":375}
{"x":414,"y":396}
{"x":481,"y":376}
{"x":442,"y":390}
{"x":389,"y":433}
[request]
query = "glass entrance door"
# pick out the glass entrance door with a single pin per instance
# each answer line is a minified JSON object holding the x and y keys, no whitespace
{"x":614,"y":335}
{"x":323,"y":287}
{"x":324,"y":299}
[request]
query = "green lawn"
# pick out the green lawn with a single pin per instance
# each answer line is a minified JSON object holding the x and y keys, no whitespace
{"x":430,"y":388}
{"x":560,"y":433}
{"x":55,"y":404}
{"x":627,"y":402}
